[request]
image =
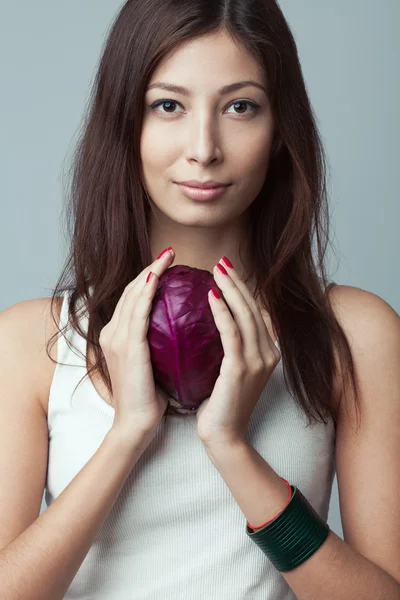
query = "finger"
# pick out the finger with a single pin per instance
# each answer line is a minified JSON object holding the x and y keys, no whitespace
{"x":230,"y":335}
{"x":137,"y":315}
{"x":125,"y":304}
{"x":269,"y":341}
{"x":261,"y":316}
{"x":243,"y":315}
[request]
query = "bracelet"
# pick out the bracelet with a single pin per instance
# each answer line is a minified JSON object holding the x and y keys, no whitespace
{"x":293,"y":536}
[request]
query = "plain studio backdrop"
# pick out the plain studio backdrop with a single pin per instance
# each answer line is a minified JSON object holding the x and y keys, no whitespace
{"x":349,"y":53}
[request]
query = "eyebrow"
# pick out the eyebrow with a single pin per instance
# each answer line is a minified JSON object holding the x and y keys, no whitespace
{"x":232,"y":87}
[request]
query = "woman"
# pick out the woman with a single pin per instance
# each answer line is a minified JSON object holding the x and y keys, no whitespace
{"x":211,"y":92}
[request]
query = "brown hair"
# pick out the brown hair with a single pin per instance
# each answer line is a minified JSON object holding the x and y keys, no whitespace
{"x":109,"y":207}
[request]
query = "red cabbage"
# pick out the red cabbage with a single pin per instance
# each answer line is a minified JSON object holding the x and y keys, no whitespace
{"x":185,"y":344}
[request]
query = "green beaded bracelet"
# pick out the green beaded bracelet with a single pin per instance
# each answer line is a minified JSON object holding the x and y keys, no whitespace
{"x":296,"y":533}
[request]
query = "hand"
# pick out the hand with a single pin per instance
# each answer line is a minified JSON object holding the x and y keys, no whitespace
{"x":250,"y":357}
{"x":139,"y":403}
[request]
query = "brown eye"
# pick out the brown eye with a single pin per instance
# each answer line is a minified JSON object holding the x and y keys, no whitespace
{"x":246,"y":103}
{"x":239,"y":104}
{"x":168,"y":104}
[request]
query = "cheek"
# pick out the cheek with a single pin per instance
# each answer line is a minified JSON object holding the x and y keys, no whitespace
{"x":258,"y":142}
{"x":252,"y":169}
{"x":156,"y":150}
{"x":252,"y":166}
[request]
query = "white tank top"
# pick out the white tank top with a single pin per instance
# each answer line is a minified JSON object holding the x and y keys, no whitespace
{"x":175,"y":531}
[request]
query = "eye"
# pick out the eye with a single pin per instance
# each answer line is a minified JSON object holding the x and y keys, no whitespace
{"x":170,"y":104}
{"x":254,"y":107}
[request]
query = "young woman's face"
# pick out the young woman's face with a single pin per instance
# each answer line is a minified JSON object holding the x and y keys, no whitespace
{"x":206,"y":135}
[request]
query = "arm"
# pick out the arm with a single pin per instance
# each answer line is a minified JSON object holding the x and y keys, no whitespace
{"x":335,"y":571}
{"x":43,"y":560}
{"x":41,"y":554}
{"x":366,"y":564}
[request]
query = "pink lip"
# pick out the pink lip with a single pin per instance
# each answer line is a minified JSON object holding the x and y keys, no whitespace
{"x":202,"y":184}
{"x":195,"y":193}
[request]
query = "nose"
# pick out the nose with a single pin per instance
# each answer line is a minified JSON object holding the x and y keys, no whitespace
{"x":204,"y":144}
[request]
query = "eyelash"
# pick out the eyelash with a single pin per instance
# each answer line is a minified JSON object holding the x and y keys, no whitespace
{"x":253,"y":105}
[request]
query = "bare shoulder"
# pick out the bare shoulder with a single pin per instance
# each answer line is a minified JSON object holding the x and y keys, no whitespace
{"x":355,"y":307}
{"x":31,"y":324}
{"x":363,"y":316}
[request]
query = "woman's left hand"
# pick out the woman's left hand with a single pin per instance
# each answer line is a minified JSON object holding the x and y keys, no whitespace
{"x":250,"y":357}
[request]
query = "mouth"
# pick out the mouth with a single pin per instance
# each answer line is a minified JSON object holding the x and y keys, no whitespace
{"x":196,"y":193}
{"x":211,"y":183}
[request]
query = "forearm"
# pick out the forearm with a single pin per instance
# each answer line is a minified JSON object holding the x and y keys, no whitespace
{"x":44,"y":559}
{"x":335,"y":571}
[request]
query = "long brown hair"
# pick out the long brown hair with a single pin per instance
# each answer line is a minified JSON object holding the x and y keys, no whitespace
{"x":108,"y":209}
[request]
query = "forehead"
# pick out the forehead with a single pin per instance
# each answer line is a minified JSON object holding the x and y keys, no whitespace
{"x":214,"y":58}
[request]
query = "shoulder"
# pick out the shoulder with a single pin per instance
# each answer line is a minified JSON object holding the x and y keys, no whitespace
{"x":371,"y":326}
{"x":364,"y":316}
{"x":28,"y":326}
{"x":372,"y":329}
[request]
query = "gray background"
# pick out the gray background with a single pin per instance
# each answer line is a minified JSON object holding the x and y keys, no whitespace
{"x":349,"y":52}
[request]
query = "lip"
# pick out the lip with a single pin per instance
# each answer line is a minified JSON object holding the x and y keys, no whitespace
{"x":195,"y":193}
{"x":202,"y":184}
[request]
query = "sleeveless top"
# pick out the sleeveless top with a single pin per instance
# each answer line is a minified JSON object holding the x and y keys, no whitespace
{"x":175,"y":530}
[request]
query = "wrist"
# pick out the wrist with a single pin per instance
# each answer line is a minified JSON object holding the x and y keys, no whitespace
{"x":129,"y":438}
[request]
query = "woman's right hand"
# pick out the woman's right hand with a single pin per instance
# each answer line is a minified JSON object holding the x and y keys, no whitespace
{"x":139,"y":403}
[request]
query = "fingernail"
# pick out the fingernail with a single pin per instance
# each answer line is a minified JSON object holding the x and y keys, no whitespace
{"x":227,"y":261}
{"x":164,"y":251}
{"x":222,"y":269}
{"x":215,"y":293}
{"x":148,"y":277}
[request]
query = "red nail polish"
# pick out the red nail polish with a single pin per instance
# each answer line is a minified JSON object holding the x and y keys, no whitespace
{"x":148,"y":277}
{"x":215,"y":293}
{"x":222,"y":269}
{"x":164,"y":251}
{"x":227,"y":261}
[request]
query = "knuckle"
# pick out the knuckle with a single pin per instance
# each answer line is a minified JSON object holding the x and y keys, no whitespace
{"x":258,"y":368}
{"x":235,"y":334}
{"x":272,"y":360}
{"x":248,"y":313}
{"x":235,"y":340}
{"x":240,"y":371}
{"x":103,"y":337}
{"x":249,"y":318}
{"x":257,"y":365}
{"x":131,"y":286}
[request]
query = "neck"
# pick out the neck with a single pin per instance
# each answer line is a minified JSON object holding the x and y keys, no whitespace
{"x":203,"y":247}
